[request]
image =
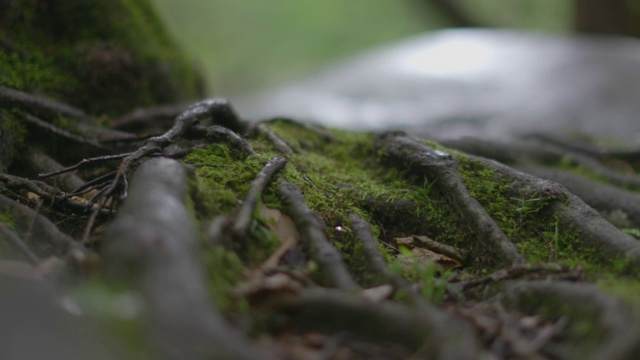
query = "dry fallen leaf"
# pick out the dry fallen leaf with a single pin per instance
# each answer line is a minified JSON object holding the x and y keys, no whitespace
{"x":425,"y":248}
{"x":378,"y":294}
{"x":407,"y":242}
{"x":420,"y":255}
{"x":283,"y":227}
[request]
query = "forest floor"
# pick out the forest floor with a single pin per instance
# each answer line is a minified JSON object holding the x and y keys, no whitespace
{"x":185,"y":232}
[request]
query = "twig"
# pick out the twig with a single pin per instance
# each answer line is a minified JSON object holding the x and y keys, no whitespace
{"x":47,"y":192}
{"x":183,"y":123}
{"x":514,"y":272}
{"x":84,"y":162}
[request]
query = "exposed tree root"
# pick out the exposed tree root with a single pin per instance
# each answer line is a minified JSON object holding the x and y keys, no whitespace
{"x":441,"y":167}
{"x":312,"y":231}
{"x":619,"y":206}
{"x":331,"y":228}
{"x":574,"y":213}
{"x":431,"y":333}
{"x":614,"y":325}
{"x":154,"y":240}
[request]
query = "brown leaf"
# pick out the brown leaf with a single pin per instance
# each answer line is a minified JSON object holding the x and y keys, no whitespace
{"x":378,"y":294}
{"x":285,"y":229}
{"x":407,"y":242}
{"x":421,"y":255}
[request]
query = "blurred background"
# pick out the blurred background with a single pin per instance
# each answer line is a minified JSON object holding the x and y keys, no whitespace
{"x":245,"y":45}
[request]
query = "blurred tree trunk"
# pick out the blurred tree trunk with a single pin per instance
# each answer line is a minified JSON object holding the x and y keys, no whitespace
{"x":616,"y":17}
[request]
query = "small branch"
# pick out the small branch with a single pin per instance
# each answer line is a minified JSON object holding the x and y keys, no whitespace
{"x":513,"y":272}
{"x":83,"y":163}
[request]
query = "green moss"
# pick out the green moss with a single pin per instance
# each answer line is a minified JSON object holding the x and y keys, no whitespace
{"x":102,"y":56}
{"x":345,"y":175}
{"x":225,"y":271}
{"x":7,"y":219}
{"x":222,"y":179}
{"x":118,"y":311}
{"x":625,"y":288}
{"x":530,"y":223}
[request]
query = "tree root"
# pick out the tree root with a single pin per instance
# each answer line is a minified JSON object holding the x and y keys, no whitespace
{"x":609,"y":200}
{"x":154,"y":241}
{"x":504,"y":307}
{"x":312,"y":232}
{"x":614,"y":325}
{"x":441,"y":167}
{"x":430,"y":332}
{"x":573,"y":213}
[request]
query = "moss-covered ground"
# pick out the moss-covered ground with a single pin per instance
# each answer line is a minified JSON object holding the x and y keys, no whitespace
{"x":340,"y":173}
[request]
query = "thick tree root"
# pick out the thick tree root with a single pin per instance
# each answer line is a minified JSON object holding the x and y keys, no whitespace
{"x":615,"y":328}
{"x":430,"y":332}
{"x":332,"y":198}
{"x":154,"y":241}
{"x":619,"y":206}
{"x":441,"y":168}
{"x":575,"y":214}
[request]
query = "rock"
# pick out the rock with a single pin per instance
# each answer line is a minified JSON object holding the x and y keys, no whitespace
{"x":483,"y":83}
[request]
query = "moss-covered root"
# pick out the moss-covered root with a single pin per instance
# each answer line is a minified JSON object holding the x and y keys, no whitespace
{"x":442,"y":168}
{"x":430,"y":332}
{"x":153,"y":241}
{"x":376,"y":263}
{"x":312,"y":232}
{"x":609,"y":200}
{"x":598,"y":326}
{"x":248,"y":208}
{"x":525,"y":152}
{"x":574,"y":214}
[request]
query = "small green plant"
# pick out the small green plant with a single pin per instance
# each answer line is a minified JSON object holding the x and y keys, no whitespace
{"x":426,"y":273}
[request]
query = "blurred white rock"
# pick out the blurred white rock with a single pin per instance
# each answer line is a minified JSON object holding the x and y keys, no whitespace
{"x":482,"y":83}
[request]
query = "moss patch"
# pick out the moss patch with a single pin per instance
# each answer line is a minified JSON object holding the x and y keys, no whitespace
{"x":340,"y":173}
